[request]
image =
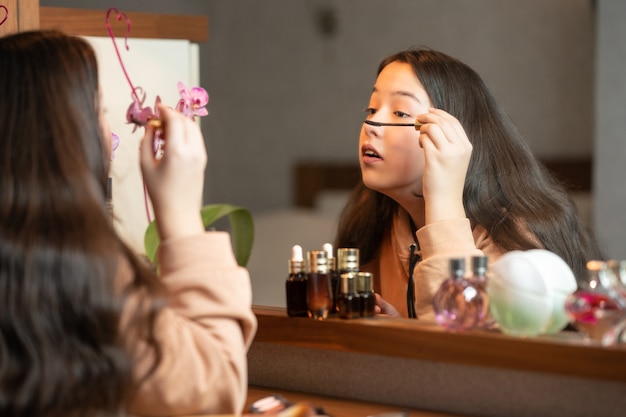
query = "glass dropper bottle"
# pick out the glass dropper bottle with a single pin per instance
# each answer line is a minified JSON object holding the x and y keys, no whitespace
{"x":296,"y":284}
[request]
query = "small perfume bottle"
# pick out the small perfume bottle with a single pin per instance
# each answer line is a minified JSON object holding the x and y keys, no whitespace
{"x":457,"y":303}
{"x":347,"y":260}
{"x":319,"y":296}
{"x":348,"y":301}
{"x":479,"y":281}
{"x":334,"y":276}
{"x":296,"y":284}
{"x":365,"y":289}
{"x":597,"y":308}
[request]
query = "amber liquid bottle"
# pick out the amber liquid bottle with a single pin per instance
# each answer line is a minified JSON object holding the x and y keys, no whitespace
{"x":319,"y":295}
{"x":296,"y":285}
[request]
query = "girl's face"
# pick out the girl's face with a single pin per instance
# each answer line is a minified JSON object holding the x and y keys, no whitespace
{"x":392,"y":161}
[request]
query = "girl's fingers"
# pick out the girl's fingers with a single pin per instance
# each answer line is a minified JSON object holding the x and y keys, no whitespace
{"x":146,"y":151}
{"x":442,"y":129}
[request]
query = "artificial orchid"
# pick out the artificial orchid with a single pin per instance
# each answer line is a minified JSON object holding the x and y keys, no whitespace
{"x":136,"y":113}
{"x":192,"y":101}
{"x":115,"y":143}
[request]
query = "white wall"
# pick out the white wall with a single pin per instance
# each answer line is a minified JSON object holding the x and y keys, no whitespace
{"x":610,"y":128}
{"x":156,"y":66}
{"x":281,"y":91}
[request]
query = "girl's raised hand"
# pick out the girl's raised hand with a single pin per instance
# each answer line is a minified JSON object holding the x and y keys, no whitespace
{"x":175,"y":180}
{"x":447,"y":152}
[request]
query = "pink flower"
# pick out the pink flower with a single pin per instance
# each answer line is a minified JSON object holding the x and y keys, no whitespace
{"x":192,"y":101}
{"x":115,"y":143}
{"x":136,"y":113}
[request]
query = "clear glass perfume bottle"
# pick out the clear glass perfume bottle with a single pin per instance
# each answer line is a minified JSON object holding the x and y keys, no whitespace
{"x":296,"y":284}
{"x":458,"y":305}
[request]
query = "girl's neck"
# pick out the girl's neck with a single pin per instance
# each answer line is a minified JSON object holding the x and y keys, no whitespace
{"x":415,"y":208}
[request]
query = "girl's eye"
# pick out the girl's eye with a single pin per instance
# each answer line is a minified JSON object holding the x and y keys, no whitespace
{"x":401,"y":114}
{"x":369,"y":111}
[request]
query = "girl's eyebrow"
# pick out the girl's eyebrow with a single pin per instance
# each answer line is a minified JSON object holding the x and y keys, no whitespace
{"x":401,"y":93}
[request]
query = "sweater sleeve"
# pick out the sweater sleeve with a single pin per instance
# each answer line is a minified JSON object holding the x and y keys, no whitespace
{"x":204,"y":332}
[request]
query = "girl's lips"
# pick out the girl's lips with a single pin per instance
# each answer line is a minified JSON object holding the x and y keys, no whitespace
{"x":369,"y":154}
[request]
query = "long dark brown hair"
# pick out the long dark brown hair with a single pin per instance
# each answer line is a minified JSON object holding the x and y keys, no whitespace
{"x":506,"y":188}
{"x":61,"y":351}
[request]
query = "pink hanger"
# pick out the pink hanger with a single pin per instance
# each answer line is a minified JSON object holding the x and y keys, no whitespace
{"x":6,"y":14}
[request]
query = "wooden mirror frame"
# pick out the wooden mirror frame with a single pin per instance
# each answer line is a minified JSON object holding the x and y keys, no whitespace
{"x":28,"y":15}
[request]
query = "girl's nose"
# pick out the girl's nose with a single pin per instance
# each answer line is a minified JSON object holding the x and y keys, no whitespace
{"x":372,"y":127}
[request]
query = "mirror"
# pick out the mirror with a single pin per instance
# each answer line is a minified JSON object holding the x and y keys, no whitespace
{"x":288,"y":80}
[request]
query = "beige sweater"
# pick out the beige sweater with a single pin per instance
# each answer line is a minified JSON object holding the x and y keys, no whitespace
{"x":204,"y":332}
{"x":438,"y":243}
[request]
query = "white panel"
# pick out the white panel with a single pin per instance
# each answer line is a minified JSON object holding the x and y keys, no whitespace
{"x":610,"y":127}
{"x":156,"y":66}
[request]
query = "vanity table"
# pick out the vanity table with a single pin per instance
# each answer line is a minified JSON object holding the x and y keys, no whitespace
{"x":420,"y":366}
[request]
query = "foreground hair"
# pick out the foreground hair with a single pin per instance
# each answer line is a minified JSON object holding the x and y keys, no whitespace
{"x":507,"y":190}
{"x":61,"y":351}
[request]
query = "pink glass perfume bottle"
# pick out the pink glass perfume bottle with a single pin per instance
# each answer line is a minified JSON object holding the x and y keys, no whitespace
{"x":457,"y":303}
{"x":597,"y":307}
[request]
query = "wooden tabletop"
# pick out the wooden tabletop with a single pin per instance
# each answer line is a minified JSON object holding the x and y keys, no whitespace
{"x":333,"y":407}
{"x":337,"y":407}
{"x":563,"y":354}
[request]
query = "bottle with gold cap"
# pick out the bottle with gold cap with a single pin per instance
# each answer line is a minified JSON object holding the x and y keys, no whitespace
{"x":347,"y":261}
{"x":348,"y":302}
{"x":319,"y":295}
{"x":334,"y":276}
{"x":367,"y":298}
